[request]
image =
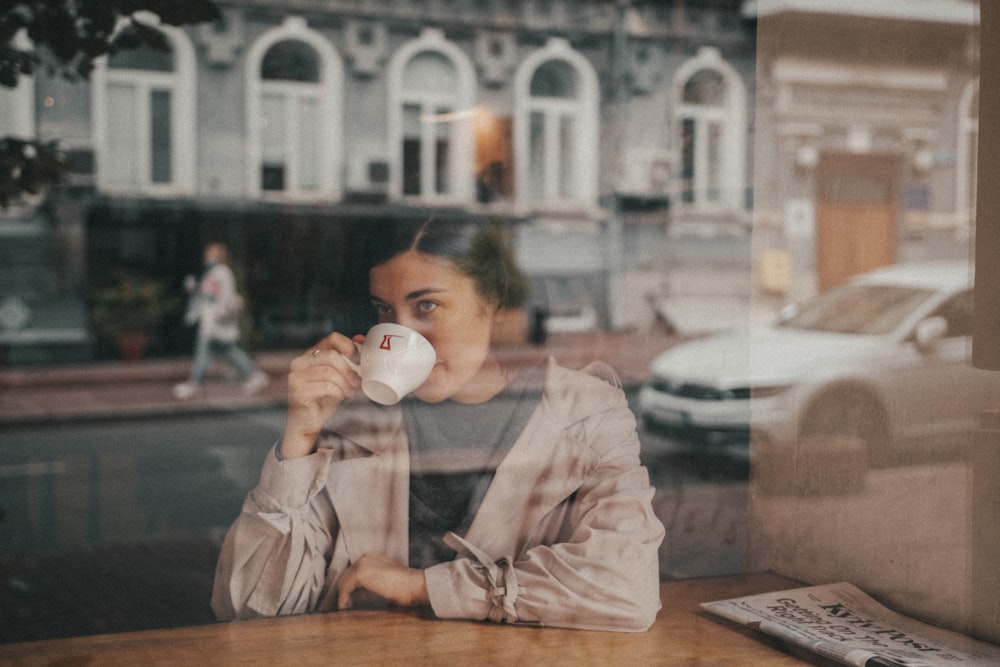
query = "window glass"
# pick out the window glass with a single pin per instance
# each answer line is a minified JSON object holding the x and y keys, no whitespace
{"x":411,"y":149}
{"x":290,"y":60}
{"x":123,"y":150}
{"x":11,"y":102}
{"x":536,"y":160}
{"x":705,"y":87}
{"x":273,"y":124}
{"x":307,"y":128}
{"x":442,"y":148}
{"x":161,"y":140}
{"x":689,"y":131}
{"x":272,"y":142}
{"x":555,"y":78}
{"x":859,"y":309}
{"x":567,"y":139}
{"x":430,"y":72}
{"x":713,"y":163}
{"x":144,"y":57}
{"x":494,"y":156}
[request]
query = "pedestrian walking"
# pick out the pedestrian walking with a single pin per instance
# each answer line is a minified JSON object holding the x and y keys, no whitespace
{"x":215,"y":305}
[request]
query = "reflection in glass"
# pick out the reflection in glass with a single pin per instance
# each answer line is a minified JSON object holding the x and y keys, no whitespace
{"x":162,"y":156}
{"x":430,"y":86}
{"x":859,"y":309}
{"x":143,"y":57}
{"x":121,"y":167}
{"x":555,"y":78}
{"x":290,"y":60}
{"x":705,"y":87}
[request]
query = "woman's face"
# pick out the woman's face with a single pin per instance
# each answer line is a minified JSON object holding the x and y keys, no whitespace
{"x":428,"y":294}
{"x":213,"y":255}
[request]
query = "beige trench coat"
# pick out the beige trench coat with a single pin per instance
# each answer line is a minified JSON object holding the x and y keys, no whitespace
{"x":565,"y":536}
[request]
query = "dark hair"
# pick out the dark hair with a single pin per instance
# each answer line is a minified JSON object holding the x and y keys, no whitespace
{"x":480,"y":249}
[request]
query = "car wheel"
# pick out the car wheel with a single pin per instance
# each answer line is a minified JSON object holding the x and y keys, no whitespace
{"x":847,"y":412}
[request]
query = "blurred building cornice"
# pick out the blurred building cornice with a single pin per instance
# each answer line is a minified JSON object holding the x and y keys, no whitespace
{"x":963,"y":12}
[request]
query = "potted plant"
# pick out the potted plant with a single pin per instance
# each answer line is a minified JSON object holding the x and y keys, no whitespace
{"x":128,"y":311}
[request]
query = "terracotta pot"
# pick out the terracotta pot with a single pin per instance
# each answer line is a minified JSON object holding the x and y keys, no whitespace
{"x":132,"y":346}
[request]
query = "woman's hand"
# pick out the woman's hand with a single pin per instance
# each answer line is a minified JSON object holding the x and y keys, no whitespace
{"x":384,"y":577}
{"x":318,"y":382}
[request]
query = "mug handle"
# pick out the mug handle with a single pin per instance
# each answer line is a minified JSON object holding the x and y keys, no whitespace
{"x":355,"y":367}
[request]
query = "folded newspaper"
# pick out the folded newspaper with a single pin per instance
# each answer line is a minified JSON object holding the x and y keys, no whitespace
{"x":841,"y":622}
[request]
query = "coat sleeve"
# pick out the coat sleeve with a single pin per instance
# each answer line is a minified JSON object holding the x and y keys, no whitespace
{"x":274,"y":558}
{"x":602,"y":569}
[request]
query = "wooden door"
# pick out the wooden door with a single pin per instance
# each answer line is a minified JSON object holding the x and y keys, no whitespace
{"x":856,"y":216}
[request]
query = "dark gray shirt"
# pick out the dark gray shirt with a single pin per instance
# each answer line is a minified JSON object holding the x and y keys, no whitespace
{"x":454,"y":450}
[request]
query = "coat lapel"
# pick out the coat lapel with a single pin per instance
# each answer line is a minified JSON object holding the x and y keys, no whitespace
{"x":543,"y":468}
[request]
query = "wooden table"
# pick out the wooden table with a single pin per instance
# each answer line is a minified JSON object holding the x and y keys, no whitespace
{"x":682,"y":635}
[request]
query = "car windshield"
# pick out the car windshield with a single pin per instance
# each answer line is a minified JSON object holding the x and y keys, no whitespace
{"x":859,"y":309}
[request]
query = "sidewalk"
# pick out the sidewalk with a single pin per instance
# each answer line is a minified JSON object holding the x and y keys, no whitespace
{"x":110,"y":390}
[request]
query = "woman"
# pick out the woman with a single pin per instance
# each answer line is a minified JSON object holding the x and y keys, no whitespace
{"x":491,"y":496}
{"x":215,"y":307}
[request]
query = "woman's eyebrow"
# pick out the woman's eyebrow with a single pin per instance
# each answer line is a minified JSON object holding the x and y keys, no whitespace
{"x":424,"y":292}
{"x":417,"y":294}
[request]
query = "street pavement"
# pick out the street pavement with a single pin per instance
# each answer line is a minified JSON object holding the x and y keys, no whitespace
{"x":108,"y":390}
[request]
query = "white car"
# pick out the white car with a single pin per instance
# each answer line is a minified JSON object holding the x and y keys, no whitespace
{"x":883,"y":357}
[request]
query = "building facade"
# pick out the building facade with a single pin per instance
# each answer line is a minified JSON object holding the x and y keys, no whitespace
{"x":286,"y":128}
{"x":867,"y":117}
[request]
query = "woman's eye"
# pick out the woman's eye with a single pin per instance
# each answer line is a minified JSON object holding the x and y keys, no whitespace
{"x":381,"y":309}
{"x":425,"y":307}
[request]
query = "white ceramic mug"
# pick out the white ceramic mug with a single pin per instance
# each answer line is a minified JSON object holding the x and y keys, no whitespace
{"x":395,"y":360}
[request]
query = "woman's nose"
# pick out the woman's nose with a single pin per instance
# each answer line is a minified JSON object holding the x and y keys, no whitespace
{"x":395,"y":316}
{"x":410,"y":322}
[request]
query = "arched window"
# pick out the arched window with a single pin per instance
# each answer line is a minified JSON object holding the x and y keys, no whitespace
{"x":556,"y":128}
{"x":966,"y":164}
{"x":293,"y":117}
{"x":710,"y":130}
{"x":431,"y":93}
{"x":144,"y":118}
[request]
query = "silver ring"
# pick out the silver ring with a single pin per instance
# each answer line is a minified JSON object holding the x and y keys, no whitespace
{"x":315,"y":353}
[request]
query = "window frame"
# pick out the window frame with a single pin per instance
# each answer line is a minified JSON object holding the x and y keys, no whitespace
{"x":327,"y":92}
{"x":967,"y":159}
{"x":181,"y":83}
{"x":461,"y":169}
{"x":730,"y":119}
{"x":581,"y":172}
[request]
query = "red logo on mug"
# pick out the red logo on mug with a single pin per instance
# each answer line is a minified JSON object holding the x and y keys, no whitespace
{"x":386,"y":343}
